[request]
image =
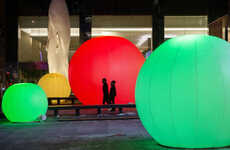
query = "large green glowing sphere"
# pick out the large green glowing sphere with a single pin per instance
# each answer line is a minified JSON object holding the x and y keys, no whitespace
{"x":183,"y":92}
{"x":24,"y":102}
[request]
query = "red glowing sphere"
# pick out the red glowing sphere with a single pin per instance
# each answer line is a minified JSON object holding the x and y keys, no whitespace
{"x":113,"y":58}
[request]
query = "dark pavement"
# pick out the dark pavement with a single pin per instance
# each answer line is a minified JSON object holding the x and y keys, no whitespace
{"x":76,"y":135}
{"x":56,"y":134}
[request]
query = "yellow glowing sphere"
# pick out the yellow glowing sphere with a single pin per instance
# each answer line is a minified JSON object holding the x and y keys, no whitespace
{"x":55,"y":85}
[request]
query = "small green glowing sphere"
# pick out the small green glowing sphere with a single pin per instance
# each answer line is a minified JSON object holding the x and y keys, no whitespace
{"x":24,"y":102}
{"x":182,"y":92}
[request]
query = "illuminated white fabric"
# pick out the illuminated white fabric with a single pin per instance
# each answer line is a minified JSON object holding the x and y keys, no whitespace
{"x":58,"y":37}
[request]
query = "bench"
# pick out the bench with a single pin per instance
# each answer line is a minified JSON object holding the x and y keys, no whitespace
{"x":77,"y":108}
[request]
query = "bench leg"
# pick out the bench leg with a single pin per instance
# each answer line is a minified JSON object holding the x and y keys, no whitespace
{"x":58,"y":101}
{"x":55,"y":112}
{"x":120,"y":110}
{"x":77,"y":112}
{"x":98,"y":110}
{"x":113,"y":109}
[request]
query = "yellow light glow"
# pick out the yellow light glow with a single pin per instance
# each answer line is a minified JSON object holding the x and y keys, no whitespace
{"x":55,"y":85}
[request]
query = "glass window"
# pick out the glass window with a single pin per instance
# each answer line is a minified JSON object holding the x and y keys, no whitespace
{"x":137,"y":29}
{"x":33,"y":35}
{"x":184,"y":25}
{"x":32,"y":40}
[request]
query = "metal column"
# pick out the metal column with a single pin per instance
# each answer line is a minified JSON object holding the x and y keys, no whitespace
{"x":157,"y":25}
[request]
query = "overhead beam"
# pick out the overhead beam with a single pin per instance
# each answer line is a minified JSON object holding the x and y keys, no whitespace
{"x":122,"y":7}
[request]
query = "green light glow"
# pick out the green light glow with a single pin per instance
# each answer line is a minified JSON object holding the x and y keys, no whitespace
{"x":24,"y":102}
{"x":182,"y":92}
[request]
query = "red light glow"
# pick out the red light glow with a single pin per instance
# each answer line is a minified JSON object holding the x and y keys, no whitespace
{"x":113,"y":58}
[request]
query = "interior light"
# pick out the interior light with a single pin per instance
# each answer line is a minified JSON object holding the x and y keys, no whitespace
{"x":43,"y":32}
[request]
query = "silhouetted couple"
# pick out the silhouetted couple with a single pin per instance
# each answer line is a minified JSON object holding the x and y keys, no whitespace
{"x":109,"y":96}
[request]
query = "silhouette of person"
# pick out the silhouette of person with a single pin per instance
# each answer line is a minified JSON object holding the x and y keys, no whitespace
{"x":105,"y":91}
{"x":112,"y":93}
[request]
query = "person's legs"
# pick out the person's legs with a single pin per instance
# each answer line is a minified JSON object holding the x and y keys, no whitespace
{"x":104,"y":100}
{"x":108,"y":101}
{"x":112,"y":102}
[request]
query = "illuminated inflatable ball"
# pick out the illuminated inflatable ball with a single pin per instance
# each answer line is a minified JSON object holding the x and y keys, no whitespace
{"x":182,"y":92}
{"x":55,"y":85}
{"x":24,"y":102}
{"x":113,"y":58}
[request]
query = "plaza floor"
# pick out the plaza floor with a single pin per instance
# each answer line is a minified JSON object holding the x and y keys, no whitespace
{"x":54,"y":134}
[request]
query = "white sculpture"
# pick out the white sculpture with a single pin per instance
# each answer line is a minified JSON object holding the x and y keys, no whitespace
{"x":58,"y":37}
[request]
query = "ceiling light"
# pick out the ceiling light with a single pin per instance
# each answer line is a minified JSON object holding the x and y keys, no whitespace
{"x":43,"y":32}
